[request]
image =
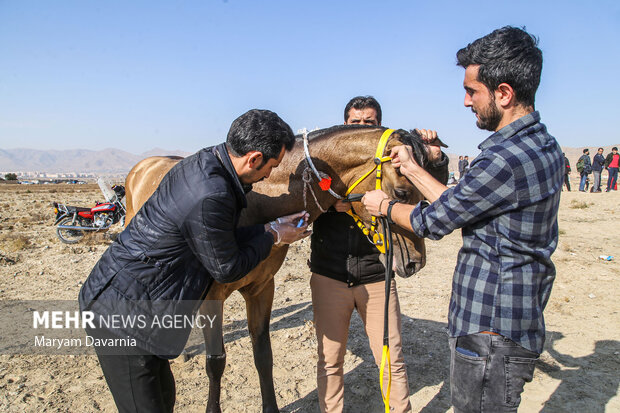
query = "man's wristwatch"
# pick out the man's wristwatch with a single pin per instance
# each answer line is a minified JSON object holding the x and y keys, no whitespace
{"x":389,"y":210}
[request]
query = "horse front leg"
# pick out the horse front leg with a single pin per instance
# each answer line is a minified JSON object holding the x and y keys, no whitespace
{"x":216,"y":355}
{"x":259,"y":314}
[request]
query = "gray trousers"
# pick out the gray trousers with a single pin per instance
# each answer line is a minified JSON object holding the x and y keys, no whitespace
{"x":488,"y":372}
{"x":597,"y":181}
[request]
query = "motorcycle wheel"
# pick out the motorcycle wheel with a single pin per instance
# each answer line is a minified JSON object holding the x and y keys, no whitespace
{"x":69,"y":236}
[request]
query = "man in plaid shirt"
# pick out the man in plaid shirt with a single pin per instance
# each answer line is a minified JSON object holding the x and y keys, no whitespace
{"x":507,"y":206}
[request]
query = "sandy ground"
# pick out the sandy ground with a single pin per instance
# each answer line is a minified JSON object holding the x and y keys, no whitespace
{"x":578,"y":372}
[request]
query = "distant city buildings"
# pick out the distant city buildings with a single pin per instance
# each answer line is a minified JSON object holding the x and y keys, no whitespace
{"x":60,"y":175}
{"x":40,"y":177}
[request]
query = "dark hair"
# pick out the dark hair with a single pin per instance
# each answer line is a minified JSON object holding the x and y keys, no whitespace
{"x":363,"y":102}
{"x":260,"y":130}
{"x":615,"y":148}
{"x":507,"y":55}
{"x":586,"y":150}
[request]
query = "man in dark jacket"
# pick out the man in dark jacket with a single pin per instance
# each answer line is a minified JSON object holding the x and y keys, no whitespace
{"x":586,"y":169}
{"x":347,"y":275}
{"x":184,"y":237}
{"x":567,"y":171}
{"x":598,"y":163}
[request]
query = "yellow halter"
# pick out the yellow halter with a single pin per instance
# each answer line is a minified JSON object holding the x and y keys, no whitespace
{"x":377,"y":238}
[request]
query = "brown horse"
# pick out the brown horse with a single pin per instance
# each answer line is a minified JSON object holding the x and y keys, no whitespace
{"x":345,"y":153}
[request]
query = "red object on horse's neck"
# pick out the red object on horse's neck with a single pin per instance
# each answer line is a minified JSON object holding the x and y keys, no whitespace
{"x":325,"y":183}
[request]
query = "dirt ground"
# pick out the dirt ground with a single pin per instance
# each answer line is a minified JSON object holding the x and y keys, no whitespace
{"x":578,"y":372}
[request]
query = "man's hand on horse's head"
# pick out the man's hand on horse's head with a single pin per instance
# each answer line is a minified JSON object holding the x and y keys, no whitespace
{"x":403,"y":159}
{"x":374,"y":201}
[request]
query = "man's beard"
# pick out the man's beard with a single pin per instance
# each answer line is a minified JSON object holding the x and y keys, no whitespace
{"x":489,"y":117}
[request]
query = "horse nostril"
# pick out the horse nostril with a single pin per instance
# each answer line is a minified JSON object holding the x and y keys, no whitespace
{"x":413,"y":267}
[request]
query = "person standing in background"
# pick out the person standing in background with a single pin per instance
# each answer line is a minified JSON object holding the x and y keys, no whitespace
{"x":347,"y":275}
{"x":598,"y":162}
{"x":584,"y":167}
{"x":611,"y":163}
{"x":567,"y":171}
{"x":461,"y":166}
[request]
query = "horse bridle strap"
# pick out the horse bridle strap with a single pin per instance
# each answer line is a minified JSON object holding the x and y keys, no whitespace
{"x":378,"y":239}
{"x":325,"y":181}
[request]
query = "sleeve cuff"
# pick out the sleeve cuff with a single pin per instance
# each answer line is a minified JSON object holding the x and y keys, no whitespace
{"x":417,"y":220}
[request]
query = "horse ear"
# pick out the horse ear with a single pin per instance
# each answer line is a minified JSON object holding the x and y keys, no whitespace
{"x":394,"y":141}
{"x":391,"y":144}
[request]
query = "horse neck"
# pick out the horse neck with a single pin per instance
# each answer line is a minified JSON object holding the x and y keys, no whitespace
{"x":345,"y":156}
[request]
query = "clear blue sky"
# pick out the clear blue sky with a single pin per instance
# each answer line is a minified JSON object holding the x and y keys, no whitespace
{"x":174,"y":74}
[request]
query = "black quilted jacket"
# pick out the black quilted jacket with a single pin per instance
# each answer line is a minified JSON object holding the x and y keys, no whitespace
{"x":184,"y":237}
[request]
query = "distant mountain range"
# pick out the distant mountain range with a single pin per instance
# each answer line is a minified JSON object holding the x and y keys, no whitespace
{"x":109,"y":161}
{"x":116,"y":161}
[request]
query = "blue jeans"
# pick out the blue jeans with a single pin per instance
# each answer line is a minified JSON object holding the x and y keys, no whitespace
{"x":488,"y":372}
{"x":582,"y":183}
{"x":612,"y":178}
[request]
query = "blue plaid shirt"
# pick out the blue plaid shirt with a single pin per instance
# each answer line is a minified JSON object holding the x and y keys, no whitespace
{"x":507,"y":206}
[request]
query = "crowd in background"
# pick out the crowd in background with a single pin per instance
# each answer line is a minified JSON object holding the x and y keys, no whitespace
{"x":463,"y":165}
{"x":595,"y":167}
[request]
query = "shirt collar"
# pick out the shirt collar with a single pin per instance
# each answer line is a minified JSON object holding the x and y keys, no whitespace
{"x":221,"y":152}
{"x":510,"y":130}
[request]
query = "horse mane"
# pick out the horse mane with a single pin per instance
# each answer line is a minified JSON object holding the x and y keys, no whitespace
{"x":316,"y":134}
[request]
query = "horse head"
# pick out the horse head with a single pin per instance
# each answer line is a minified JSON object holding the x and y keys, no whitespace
{"x":355,"y":149}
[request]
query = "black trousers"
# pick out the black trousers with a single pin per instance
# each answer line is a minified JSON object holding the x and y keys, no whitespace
{"x":567,"y":182}
{"x":139,"y":383}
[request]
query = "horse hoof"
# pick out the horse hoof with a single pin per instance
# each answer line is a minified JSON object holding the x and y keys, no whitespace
{"x":213,"y":409}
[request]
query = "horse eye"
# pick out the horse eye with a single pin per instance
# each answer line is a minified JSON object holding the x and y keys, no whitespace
{"x":401,"y":194}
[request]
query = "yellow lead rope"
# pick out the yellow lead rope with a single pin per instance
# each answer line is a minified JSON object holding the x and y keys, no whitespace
{"x":385,"y":360}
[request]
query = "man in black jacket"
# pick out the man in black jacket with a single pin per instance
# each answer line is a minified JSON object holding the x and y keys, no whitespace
{"x":567,"y":172}
{"x":598,"y":163}
{"x":347,"y":275}
{"x":184,"y":237}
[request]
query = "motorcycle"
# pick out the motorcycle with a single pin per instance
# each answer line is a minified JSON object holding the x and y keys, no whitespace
{"x":73,"y":222}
